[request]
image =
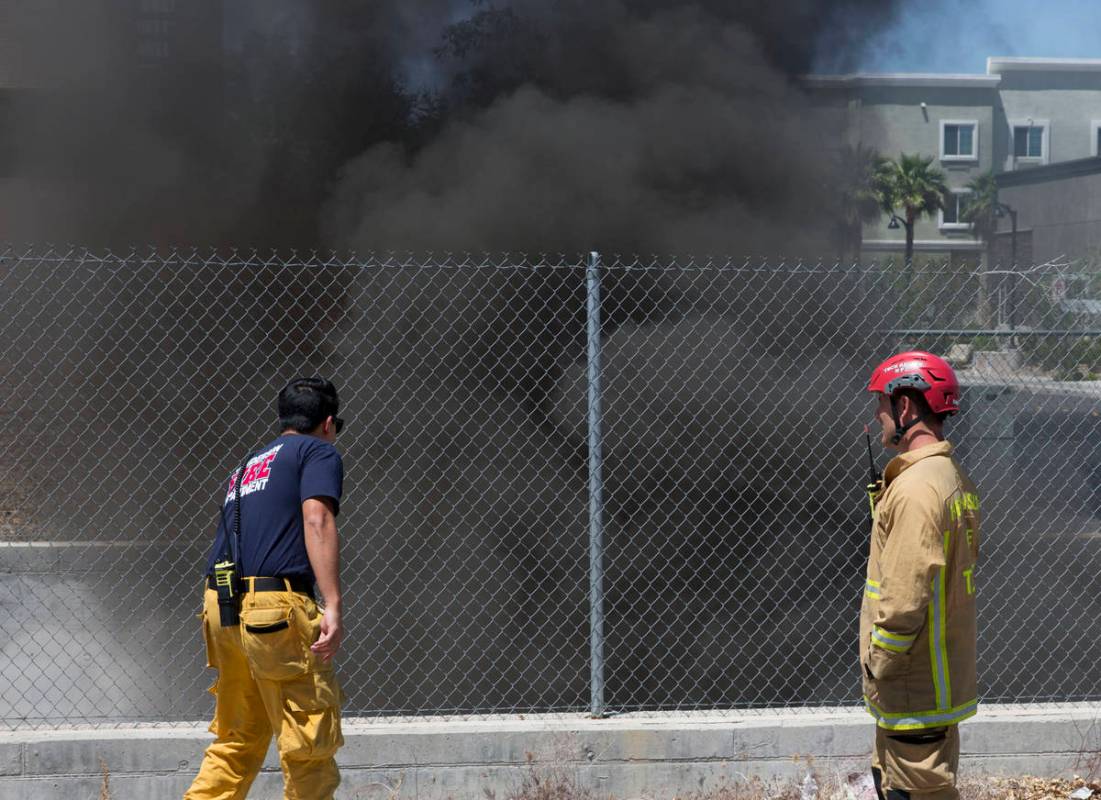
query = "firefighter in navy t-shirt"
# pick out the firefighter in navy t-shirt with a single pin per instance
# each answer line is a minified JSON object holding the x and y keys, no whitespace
{"x":275,"y":670}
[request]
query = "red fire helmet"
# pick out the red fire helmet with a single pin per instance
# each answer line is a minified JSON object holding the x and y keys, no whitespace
{"x":929,"y":374}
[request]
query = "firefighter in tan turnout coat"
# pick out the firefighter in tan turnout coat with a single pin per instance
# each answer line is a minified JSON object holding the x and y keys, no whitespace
{"x":917,"y":620}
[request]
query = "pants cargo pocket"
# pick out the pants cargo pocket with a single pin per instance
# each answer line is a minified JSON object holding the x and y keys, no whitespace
{"x":311,"y":717}
{"x":920,"y":761}
{"x":273,"y":644}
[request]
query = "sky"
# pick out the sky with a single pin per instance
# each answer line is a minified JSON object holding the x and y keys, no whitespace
{"x":957,"y":36}
{"x":951,"y":36}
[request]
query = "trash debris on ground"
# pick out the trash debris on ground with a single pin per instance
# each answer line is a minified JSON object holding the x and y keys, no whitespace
{"x":1027,"y":787}
{"x":810,"y":788}
{"x":859,"y":786}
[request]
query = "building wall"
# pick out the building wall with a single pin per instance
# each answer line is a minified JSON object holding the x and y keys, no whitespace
{"x":1070,"y":102}
{"x":184,"y":33}
{"x":1061,"y":209}
{"x":886,"y":112}
{"x":50,"y":45}
{"x":892,"y":121}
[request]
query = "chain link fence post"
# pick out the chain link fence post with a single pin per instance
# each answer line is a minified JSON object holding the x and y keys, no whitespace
{"x":596,"y":499}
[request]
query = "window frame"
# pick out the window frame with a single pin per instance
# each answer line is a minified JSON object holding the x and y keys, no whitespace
{"x":974,"y":123}
{"x":954,"y":226}
{"x":1045,"y":140}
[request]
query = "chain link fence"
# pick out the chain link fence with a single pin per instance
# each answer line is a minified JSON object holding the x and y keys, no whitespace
{"x":730,"y":533}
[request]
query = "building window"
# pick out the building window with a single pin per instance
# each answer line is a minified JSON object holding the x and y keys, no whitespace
{"x":153,"y":50}
{"x":959,"y":140}
{"x":153,"y":27}
{"x":1095,"y":137}
{"x":951,"y":216}
{"x":1030,"y":140}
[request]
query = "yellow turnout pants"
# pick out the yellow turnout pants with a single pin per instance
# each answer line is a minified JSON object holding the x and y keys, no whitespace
{"x":269,"y":682}
{"x":922,"y":762}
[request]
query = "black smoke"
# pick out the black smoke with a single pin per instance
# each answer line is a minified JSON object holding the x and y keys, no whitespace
{"x":629,"y":126}
{"x":731,"y":399}
{"x":731,"y":394}
{"x":191,"y":124}
{"x":632,"y":127}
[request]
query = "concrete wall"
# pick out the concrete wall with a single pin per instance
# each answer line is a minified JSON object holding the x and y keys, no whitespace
{"x":618,"y":757}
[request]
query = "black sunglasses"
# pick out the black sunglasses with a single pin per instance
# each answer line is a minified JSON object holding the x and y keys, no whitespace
{"x":338,"y":424}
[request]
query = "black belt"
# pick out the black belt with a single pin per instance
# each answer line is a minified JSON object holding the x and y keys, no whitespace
{"x":297,"y":584}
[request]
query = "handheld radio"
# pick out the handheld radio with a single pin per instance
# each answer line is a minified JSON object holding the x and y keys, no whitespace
{"x":227,"y":577}
{"x":875,"y":478}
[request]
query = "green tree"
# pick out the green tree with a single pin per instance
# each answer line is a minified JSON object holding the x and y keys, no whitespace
{"x":912,"y":185}
{"x":981,"y":210}
{"x":982,"y":206}
{"x":858,"y":184}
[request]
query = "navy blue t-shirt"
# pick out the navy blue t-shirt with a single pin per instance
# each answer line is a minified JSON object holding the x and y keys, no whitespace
{"x":277,"y":480}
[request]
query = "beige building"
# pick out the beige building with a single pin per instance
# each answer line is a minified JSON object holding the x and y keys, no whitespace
{"x":1023,"y":113}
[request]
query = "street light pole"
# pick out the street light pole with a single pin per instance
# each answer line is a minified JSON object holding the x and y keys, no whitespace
{"x":1001,"y":209}
{"x":893,"y":225}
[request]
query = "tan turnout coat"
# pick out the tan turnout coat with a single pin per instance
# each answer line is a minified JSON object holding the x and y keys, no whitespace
{"x":917,"y":620}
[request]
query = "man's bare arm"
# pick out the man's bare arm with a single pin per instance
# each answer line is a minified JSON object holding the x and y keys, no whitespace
{"x":323,"y":549}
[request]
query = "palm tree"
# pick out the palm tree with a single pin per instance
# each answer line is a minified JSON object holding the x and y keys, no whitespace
{"x":916,"y":188}
{"x":858,"y":188}
{"x":981,"y":210}
{"x":981,"y":207}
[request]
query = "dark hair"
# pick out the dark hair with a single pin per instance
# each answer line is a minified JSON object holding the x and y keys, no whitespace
{"x":923,"y":407}
{"x":304,"y":403}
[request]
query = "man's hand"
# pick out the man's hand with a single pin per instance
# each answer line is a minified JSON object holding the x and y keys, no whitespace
{"x":332,"y":632}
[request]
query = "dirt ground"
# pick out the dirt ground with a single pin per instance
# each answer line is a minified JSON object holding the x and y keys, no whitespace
{"x":559,"y":785}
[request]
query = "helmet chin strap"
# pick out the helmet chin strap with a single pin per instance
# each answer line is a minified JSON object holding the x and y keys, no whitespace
{"x":900,"y":429}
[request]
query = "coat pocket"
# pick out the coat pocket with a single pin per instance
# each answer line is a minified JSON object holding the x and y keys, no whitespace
{"x":887,"y":664}
{"x":273,"y":643}
{"x":887,"y":678}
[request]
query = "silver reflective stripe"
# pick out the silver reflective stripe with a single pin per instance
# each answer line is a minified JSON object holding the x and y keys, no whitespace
{"x":892,"y":640}
{"x":919,"y":720}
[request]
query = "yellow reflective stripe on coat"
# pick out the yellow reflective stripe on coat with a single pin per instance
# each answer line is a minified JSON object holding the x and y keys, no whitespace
{"x":892,"y":641}
{"x":871,"y":588}
{"x":917,"y":720}
{"x":938,"y":638}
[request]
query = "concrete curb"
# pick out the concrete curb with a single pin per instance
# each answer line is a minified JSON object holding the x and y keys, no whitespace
{"x":630,"y":756}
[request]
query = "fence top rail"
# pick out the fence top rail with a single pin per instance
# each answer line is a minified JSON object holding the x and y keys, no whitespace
{"x":244,"y":258}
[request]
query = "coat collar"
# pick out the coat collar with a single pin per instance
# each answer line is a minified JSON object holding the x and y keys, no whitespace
{"x":904,"y":461}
